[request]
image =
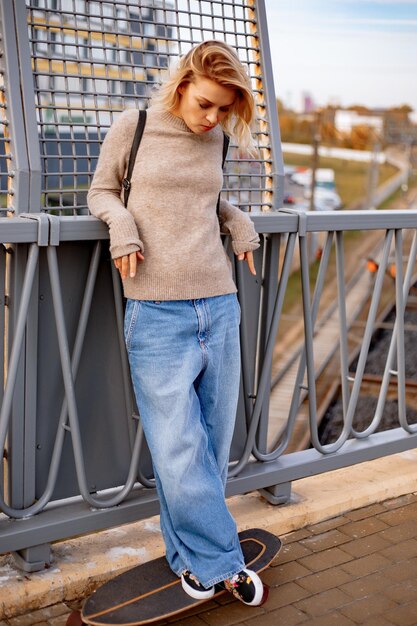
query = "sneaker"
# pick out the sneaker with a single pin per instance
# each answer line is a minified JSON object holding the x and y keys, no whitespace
{"x":247,"y":587}
{"x":194,"y":588}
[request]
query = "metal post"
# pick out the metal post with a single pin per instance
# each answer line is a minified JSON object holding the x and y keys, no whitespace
{"x":268,"y":105}
{"x":33,"y":559}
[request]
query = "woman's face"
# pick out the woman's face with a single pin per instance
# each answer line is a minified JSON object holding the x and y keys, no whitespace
{"x":204,"y":104}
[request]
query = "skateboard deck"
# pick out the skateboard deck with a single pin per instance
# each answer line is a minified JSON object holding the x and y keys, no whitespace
{"x":151,"y":591}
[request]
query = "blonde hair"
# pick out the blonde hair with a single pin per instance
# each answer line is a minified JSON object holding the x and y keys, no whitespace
{"x":217,"y":61}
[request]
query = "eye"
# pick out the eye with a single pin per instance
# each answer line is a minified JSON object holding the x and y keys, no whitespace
{"x":225,"y":109}
{"x":203,"y":106}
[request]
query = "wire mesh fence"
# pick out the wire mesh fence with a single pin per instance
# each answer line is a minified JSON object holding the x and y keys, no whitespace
{"x":6,"y":149}
{"x":93,"y":59}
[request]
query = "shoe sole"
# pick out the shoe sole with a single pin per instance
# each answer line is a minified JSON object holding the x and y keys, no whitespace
{"x":264,"y":595}
{"x":197,"y":595}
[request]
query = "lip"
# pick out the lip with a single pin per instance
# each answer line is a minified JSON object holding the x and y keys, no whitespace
{"x":207,"y":127}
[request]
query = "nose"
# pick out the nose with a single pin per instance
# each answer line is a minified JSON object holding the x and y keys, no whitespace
{"x":212,"y":117}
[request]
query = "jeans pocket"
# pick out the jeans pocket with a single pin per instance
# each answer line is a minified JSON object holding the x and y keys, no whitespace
{"x":131,"y":314}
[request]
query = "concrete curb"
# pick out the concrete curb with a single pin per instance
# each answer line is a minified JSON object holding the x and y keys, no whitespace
{"x":81,"y":564}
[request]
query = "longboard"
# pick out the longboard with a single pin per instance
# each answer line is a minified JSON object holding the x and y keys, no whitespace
{"x":151,"y":591}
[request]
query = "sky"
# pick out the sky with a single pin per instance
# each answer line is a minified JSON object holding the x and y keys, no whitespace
{"x":344,"y":51}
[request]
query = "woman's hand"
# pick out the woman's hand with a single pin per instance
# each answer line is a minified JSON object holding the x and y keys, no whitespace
{"x":249,"y":259}
{"x":127,"y":264}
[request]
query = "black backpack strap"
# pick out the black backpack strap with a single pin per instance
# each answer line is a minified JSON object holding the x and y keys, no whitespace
{"x":132,"y":157}
{"x":226,"y":141}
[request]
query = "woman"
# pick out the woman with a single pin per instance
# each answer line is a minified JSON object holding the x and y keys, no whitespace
{"x":182,"y":315}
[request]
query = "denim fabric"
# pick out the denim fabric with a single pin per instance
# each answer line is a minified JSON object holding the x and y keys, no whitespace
{"x":185,"y":364}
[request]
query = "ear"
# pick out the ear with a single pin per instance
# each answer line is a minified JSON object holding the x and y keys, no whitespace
{"x":181,"y":88}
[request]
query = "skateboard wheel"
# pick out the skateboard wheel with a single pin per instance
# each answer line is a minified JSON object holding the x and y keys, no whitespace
{"x":265,"y":595}
{"x":74,"y":619}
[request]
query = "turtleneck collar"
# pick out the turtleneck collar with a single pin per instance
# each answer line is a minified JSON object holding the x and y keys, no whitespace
{"x":175,"y":121}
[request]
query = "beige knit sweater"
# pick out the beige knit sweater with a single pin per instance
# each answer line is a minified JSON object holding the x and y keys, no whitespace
{"x":171,"y":215}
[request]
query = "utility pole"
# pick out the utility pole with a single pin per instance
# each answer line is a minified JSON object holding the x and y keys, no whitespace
{"x":314,"y":167}
{"x":373,"y":174}
{"x":408,"y":144}
{"x":315,"y":159}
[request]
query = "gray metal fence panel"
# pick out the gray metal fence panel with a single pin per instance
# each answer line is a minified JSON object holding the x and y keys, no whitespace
{"x":91,"y":60}
{"x":14,"y":176}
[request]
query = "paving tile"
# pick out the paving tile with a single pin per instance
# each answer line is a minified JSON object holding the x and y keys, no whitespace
{"x":276,"y":560}
{"x":330,"y":524}
{"x":399,"y":533}
{"x":286,"y":616}
{"x":367,"y":511}
{"x":365,"y":586}
{"x":405,"y":615}
{"x":400,"y":515}
{"x":34,"y":622}
{"x":330,"y":539}
{"x":331,"y":619}
{"x":404,"y":570}
{"x":366,"y":545}
{"x":326,"y":579}
{"x":325,"y":560}
{"x":401,"y":551}
{"x":39,"y":616}
{"x":61,"y":620}
{"x":284,"y":573}
{"x":366,"y":608}
{"x":366,"y":565}
{"x":377,"y":621}
{"x":365,"y":527}
{"x":323,"y":602}
{"x":403,"y":592}
{"x":284,"y":595}
{"x":296,"y":535}
{"x":395,"y":503}
{"x":28,"y":620}
{"x":292,"y":552}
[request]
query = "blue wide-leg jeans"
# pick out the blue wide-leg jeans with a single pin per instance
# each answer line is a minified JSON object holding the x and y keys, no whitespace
{"x":184,"y":359}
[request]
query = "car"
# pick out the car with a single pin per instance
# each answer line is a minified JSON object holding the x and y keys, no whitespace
{"x":289,"y":198}
{"x":324,"y":199}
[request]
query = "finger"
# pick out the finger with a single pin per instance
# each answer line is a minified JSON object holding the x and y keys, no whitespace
{"x":132,"y":264}
{"x":251,"y":264}
{"x":140,"y":255}
{"x":125,"y":266}
{"x":240,"y":257}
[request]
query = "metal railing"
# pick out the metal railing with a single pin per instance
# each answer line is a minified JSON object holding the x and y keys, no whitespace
{"x":253,"y":465}
{"x":68,"y":406}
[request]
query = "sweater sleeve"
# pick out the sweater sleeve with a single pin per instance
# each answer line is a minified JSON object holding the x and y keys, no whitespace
{"x":104,"y":197}
{"x":238,"y":224}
